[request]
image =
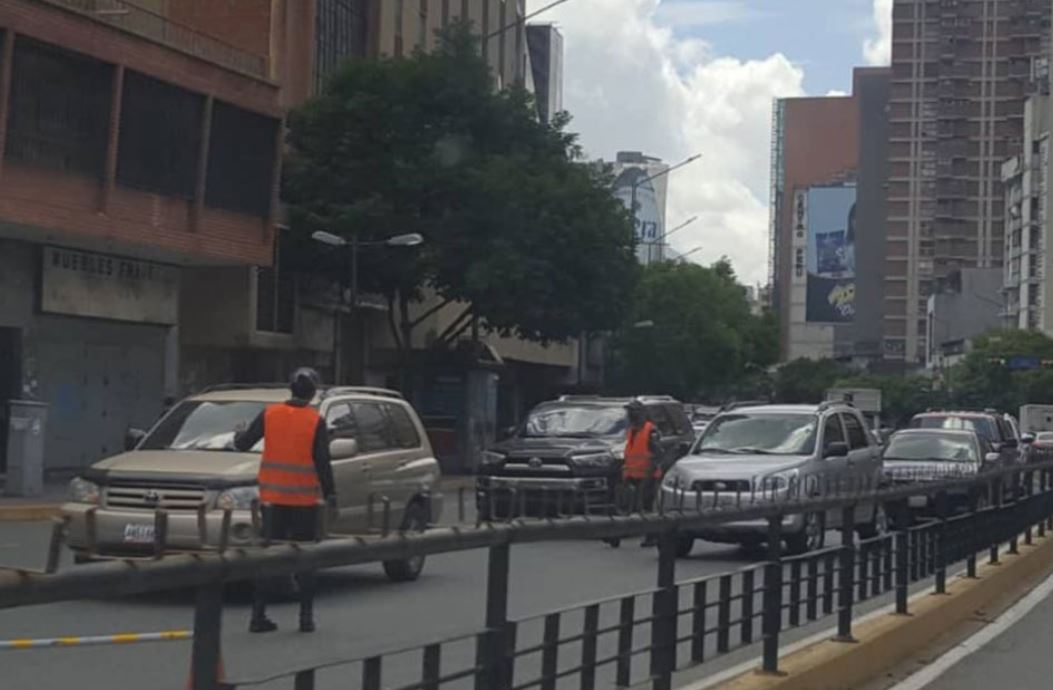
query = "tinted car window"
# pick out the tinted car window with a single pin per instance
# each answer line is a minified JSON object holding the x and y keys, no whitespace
{"x":402,"y":427}
{"x":681,"y":424}
{"x":660,"y":417}
{"x":857,"y":435}
{"x":767,"y":433}
{"x":984,"y":427}
{"x":341,"y":422}
{"x":373,"y":430}
{"x":832,"y":431}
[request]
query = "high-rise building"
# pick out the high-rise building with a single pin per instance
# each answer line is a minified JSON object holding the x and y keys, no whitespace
{"x":640,"y":183}
{"x":545,"y":44}
{"x":1027,"y":271}
{"x":961,"y":71}
{"x":814,"y":163}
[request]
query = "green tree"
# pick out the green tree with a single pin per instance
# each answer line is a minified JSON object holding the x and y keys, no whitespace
{"x":518,"y":228}
{"x":806,"y":380}
{"x":689,"y":331}
{"x":984,"y":379}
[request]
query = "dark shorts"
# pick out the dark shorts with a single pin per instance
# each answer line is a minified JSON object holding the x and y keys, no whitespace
{"x":291,"y":523}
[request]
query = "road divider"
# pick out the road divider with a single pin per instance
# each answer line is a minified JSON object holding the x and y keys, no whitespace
{"x":96,"y":640}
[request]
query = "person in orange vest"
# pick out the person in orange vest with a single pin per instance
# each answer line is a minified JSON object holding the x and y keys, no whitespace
{"x":643,"y":450}
{"x":295,"y":476}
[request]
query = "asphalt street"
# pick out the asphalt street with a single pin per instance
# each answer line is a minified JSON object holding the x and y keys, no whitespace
{"x":359,"y":614}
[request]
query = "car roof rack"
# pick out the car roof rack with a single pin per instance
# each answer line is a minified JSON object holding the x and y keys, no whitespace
{"x":827,"y":404}
{"x":323,"y":391}
{"x":727,"y":407}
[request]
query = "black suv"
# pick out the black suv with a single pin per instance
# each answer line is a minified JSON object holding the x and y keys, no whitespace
{"x":997,"y":433}
{"x":567,"y":455}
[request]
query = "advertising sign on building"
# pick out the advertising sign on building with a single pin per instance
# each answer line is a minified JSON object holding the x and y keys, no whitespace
{"x":80,"y":283}
{"x":831,"y":255}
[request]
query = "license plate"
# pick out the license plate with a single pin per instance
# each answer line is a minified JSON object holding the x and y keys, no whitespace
{"x":138,"y":534}
{"x":918,"y":501}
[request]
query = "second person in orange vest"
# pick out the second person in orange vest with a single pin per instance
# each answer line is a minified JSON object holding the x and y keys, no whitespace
{"x":295,"y":477}
{"x":643,"y":450}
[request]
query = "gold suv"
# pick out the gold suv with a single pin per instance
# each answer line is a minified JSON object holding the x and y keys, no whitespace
{"x":187,"y":468}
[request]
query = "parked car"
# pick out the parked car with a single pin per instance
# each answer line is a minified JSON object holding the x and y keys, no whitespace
{"x":927,"y":455}
{"x":378,"y":446}
{"x":701,"y":416}
{"x":1042,"y":447}
{"x":995,"y":429}
{"x":776,"y":452}
{"x":572,"y":448}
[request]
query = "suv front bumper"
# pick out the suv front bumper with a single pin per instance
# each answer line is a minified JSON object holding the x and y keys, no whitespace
{"x":727,"y":531}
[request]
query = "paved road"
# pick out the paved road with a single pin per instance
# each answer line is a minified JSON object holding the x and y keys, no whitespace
{"x":359,"y":613}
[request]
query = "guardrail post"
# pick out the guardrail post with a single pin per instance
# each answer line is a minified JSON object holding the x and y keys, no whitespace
{"x":205,"y":651}
{"x":940,"y":554}
{"x":845,"y":589}
{"x":493,"y":674}
{"x":665,"y":606}
{"x":902,"y":558}
{"x":1043,"y":502}
{"x":772,"y":613}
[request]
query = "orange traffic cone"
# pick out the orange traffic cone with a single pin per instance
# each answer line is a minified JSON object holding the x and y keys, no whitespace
{"x":220,"y":673}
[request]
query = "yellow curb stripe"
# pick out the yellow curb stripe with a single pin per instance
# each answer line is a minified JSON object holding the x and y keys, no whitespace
{"x":119,"y":638}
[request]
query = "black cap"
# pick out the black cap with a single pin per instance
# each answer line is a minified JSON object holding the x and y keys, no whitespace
{"x":304,"y":383}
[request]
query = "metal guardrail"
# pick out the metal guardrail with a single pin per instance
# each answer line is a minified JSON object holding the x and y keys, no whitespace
{"x":637,"y":637}
{"x":155,"y":27}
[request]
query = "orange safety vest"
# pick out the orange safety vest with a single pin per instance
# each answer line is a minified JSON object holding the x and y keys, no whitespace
{"x":639,"y":460}
{"x":287,"y":476}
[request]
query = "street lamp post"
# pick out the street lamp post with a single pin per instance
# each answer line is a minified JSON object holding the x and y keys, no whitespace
{"x":680,"y":257}
{"x":639,"y":181}
{"x":353,"y":245}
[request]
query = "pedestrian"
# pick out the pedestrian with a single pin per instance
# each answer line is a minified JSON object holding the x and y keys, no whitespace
{"x":641,"y":471}
{"x":295,"y":476}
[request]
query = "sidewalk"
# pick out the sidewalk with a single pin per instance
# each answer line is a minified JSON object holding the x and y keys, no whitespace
{"x":46,"y":506}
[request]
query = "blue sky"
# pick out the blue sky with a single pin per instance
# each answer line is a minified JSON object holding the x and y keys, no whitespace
{"x":824,"y":37}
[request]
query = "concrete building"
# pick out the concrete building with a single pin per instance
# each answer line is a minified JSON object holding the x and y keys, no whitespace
{"x":134,"y":148}
{"x":639,"y":180}
{"x":545,"y":44}
{"x":965,"y":304}
{"x":815,"y":156}
{"x":1028,"y":228}
{"x":960,"y":74}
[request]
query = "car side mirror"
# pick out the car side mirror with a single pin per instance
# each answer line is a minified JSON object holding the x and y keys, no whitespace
{"x":1028,"y":439}
{"x":992,"y":457}
{"x":343,"y":448}
{"x":132,"y":438}
{"x":837,"y":449}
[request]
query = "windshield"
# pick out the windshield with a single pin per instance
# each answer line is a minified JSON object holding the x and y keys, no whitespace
{"x":931,"y":447}
{"x":985,"y":428}
{"x":575,"y":421}
{"x":776,"y":434}
{"x":197,"y":425}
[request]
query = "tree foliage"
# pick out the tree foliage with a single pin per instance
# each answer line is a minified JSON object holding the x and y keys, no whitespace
{"x":690,"y":331}
{"x":516,"y":225}
{"x":806,"y":381}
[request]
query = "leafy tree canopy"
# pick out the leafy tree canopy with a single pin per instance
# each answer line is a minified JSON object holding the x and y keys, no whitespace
{"x":516,"y":225}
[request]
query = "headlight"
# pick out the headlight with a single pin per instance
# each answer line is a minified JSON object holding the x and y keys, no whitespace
{"x":83,"y":491}
{"x":779,"y":482}
{"x":592,"y":459}
{"x":490,"y":458}
{"x":618,"y":451}
{"x":238,"y":498}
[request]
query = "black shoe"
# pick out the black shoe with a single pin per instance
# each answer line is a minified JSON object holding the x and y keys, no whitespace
{"x":306,"y":625}
{"x":262,"y":625}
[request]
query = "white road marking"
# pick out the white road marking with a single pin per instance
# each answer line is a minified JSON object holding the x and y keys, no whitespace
{"x":988,"y":633}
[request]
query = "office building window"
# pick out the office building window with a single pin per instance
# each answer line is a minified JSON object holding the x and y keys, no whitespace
{"x":445,"y":12}
{"x":422,"y":25}
{"x":276,"y":293}
{"x":400,"y":13}
{"x":464,"y":11}
{"x":485,"y":31}
{"x":340,"y":34}
{"x":241,"y":160}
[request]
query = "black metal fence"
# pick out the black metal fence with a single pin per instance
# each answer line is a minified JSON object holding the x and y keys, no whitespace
{"x":639,"y":637}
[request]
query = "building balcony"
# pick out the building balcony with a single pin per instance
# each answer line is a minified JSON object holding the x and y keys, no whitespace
{"x":133,"y":19}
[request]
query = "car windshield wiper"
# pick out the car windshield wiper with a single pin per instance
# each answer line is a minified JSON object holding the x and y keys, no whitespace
{"x":714,"y":449}
{"x":753,"y":451}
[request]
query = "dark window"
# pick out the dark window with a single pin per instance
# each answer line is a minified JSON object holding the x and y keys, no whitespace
{"x":678,"y":417}
{"x":276,"y":293}
{"x":340,"y":34}
{"x":422,"y":25}
{"x":445,"y":12}
{"x":160,"y":136}
{"x":485,"y":31}
{"x":857,"y":435}
{"x":400,"y":13}
{"x":59,"y":109}
{"x":501,"y":42}
{"x":374,"y":433}
{"x":402,"y":427}
{"x":660,"y":417}
{"x":832,"y":431}
{"x":241,"y":160}
{"x":464,"y":10}
{"x":341,"y":422}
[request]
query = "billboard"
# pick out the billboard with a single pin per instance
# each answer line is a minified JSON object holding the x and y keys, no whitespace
{"x":831,"y":255}
{"x":650,"y":210}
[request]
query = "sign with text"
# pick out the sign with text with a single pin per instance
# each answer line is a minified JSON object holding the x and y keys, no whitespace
{"x":80,"y":283}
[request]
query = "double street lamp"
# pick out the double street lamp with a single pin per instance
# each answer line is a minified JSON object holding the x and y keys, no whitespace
{"x":353,"y":244}
{"x":642,"y":180}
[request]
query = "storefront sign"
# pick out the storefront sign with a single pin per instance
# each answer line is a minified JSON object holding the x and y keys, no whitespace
{"x":82,"y":283}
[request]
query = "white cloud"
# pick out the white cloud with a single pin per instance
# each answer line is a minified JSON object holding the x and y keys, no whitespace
{"x":696,"y":13}
{"x":878,"y":51}
{"x":631,"y":84}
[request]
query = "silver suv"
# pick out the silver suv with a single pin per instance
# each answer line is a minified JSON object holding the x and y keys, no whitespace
{"x":775,"y":452}
{"x":187,"y":466}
